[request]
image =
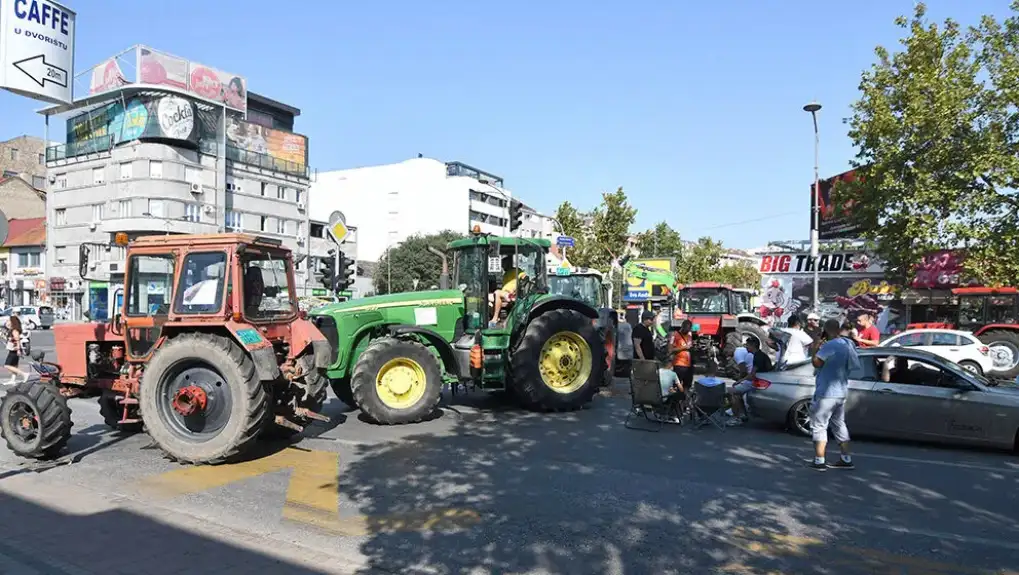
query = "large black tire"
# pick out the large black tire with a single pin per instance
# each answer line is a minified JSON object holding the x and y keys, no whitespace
{"x":42,"y":403}
{"x":527,"y":380}
{"x":1008,"y":341}
{"x":388,"y":353}
{"x":746,"y":329}
{"x":111,"y":411}
{"x":241,"y":411}
{"x":733,"y":340}
{"x":342,"y":390}
{"x":311,"y":391}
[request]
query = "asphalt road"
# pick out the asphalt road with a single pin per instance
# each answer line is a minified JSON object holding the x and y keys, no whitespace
{"x":485,"y":489}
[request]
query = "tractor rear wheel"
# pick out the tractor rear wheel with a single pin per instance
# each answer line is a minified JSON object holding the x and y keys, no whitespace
{"x":341,"y":387}
{"x":202,"y":400}
{"x":558,"y":365}
{"x":1004,"y":346}
{"x":396,"y":381}
{"x":746,"y":329}
{"x":35,"y":420}
{"x":733,"y":340}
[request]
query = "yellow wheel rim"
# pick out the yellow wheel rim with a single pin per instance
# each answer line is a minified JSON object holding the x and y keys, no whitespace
{"x":566,"y":362}
{"x":401,"y":383}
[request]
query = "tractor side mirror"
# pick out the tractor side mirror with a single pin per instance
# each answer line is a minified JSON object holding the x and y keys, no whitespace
{"x":115,"y":326}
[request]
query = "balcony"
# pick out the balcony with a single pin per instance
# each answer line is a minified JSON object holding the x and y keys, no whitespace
{"x":265,"y":161}
{"x":78,"y":149}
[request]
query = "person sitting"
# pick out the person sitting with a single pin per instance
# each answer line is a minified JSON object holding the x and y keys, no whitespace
{"x":503,"y":297}
{"x":759,"y":363}
{"x":672,"y":390}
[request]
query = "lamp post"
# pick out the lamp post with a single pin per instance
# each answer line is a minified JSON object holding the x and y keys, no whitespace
{"x":814,"y":108}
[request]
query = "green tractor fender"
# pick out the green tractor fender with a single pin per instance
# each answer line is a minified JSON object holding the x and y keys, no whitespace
{"x":444,"y":349}
{"x":347,"y":356}
{"x":549,"y":303}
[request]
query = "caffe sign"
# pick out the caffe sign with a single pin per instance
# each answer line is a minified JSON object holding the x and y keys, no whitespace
{"x":826,"y":263}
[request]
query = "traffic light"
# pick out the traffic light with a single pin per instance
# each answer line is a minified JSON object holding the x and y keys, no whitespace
{"x":345,"y":273}
{"x":516,"y":215}
{"x":327,"y":267}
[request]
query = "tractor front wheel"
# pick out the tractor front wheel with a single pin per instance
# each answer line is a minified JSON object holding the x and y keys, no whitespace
{"x":558,"y":365}
{"x":342,"y":390}
{"x":202,"y":400}
{"x":396,"y":381}
{"x":35,"y":420}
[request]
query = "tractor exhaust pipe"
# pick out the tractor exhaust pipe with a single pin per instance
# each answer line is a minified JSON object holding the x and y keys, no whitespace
{"x":444,"y":278}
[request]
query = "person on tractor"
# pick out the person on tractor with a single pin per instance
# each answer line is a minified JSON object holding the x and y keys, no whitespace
{"x":507,"y":295}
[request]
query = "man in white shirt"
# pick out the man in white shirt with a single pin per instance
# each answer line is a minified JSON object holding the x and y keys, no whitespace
{"x":798,"y":348}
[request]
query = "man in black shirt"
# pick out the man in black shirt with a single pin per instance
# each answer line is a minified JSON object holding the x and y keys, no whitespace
{"x":643,"y":340}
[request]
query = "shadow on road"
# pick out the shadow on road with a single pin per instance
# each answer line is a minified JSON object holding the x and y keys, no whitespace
{"x":578,"y":494}
{"x":40,"y":540}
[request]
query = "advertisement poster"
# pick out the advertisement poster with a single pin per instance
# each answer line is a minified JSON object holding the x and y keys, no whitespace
{"x":167,"y":117}
{"x":840,"y":298}
{"x":639,"y":289}
{"x":278,"y":144}
{"x":106,"y":76}
{"x":939,"y":270}
{"x":162,"y":69}
{"x":834,"y":219}
{"x":165,"y":70}
{"x":842,"y":262}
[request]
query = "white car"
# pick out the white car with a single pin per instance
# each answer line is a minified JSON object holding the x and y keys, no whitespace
{"x":960,"y":347}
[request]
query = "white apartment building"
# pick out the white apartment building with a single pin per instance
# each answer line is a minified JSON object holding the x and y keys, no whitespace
{"x":390,"y":202}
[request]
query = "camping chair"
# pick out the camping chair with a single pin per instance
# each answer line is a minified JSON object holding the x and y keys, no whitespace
{"x":645,"y":396}
{"x":708,"y":404}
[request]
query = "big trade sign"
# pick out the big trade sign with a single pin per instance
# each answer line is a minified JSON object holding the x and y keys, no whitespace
{"x":829,"y":263}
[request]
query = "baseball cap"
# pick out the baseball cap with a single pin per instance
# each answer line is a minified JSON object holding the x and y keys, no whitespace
{"x":813,"y":315}
{"x":647,"y":315}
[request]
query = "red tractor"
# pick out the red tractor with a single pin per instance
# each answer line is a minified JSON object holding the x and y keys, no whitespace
{"x":208,"y":352}
{"x":722,"y":319}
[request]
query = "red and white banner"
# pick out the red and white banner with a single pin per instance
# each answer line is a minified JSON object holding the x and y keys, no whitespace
{"x":106,"y":76}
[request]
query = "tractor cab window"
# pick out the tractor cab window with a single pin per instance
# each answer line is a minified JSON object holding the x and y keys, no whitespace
{"x":740,"y":303}
{"x":971,"y":310}
{"x":1001,"y":309}
{"x":527,"y":260}
{"x":202,"y":283}
{"x":266,"y":293}
{"x":468,"y":276}
{"x":150,"y":284}
{"x":707,"y":300}
{"x":585,"y":288}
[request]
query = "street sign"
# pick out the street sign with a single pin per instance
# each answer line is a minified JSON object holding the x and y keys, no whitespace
{"x":37,"y":49}
{"x":565,"y":242}
{"x":562,"y":271}
{"x":338,"y":227}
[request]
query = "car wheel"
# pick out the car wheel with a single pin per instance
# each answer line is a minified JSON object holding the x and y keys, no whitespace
{"x":971,"y":366}
{"x":799,"y":418}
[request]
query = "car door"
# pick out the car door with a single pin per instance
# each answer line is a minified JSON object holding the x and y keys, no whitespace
{"x":946,"y":345}
{"x":858,"y":401}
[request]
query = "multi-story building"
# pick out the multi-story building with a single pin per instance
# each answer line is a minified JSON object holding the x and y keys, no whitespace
{"x":160,"y":155}
{"x":23,"y":263}
{"x":24,"y":157}
{"x":417,"y":196}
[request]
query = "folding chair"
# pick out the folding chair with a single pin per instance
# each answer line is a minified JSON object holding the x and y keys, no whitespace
{"x":709,"y":404}
{"x":645,"y":396}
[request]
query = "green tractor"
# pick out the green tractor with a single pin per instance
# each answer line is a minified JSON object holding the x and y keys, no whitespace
{"x":393,"y":354}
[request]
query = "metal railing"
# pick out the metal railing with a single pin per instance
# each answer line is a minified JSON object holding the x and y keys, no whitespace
{"x":266,"y":161}
{"x":76,"y":149}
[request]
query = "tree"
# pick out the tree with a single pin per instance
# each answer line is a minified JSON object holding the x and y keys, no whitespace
{"x":610,"y":229}
{"x":741,"y":274}
{"x":411,"y":261}
{"x":699,"y":262}
{"x":574,"y":224}
{"x":660,"y":241}
{"x":937,"y":132}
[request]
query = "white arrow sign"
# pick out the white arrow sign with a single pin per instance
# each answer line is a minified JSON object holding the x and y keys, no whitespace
{"x":37,"y":49}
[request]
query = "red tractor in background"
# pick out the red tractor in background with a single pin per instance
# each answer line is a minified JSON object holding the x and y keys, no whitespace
{"x":722,"y":319}
{"x":208,"y":352}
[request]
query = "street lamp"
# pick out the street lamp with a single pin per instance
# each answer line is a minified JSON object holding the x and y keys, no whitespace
{"x":814,"y":108}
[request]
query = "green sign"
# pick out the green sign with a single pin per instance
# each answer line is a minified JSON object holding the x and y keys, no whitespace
{"x":249,"y":336}
{"x":319,"y":292}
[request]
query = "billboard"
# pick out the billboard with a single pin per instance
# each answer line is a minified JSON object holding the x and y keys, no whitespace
{"x":841,"y":262}
{"x":106,"y":76}
{"x":834,"y":219}
{"x":161,"y":69}
{"x":639,"y":289}
{"x":168,"y":117}
{"x":277,"y":144}
{"x":841,"y":297}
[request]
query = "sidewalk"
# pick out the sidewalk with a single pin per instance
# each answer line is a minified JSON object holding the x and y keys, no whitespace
{"x":56,"y":529}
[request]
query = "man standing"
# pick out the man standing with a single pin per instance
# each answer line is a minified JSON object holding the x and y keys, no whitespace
{"x":624,"y":347}
{"x":679,"y":349}
{"x":869,"y":335}
{"x":799,"y":344}
{"x":643,"y":341}
{"x":836,"y":358}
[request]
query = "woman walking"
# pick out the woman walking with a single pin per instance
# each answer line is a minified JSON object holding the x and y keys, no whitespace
{"x":14,"y":349}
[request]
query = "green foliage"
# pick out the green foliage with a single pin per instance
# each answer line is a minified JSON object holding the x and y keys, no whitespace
{"x":600,"y":234}
{"x":937,"y":132}
{"x":411,"y":260}
{"x":660,"y":241}
{"x":739,"y":275}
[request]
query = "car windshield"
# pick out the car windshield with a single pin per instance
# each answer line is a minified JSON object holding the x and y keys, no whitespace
{"x":584,"y":288}
{"x":704,"y":300}
{"x":266,"y":280}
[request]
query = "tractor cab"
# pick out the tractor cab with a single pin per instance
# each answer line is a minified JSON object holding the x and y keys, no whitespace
{"x":587,"y":285}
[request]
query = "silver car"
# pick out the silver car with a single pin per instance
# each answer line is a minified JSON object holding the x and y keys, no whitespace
{"x":913,"y":395}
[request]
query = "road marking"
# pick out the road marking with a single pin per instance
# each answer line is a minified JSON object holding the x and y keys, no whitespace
{"x":312,"y":496}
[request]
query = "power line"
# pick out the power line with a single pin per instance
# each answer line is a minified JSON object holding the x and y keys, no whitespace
{"x":750,"y":221}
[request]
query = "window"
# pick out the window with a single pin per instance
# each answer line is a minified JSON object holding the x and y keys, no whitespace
{"x":42,"y":159}
{"x":281,"y":226}
{"x":150,"y":286}
{"x":10,"y":174}
{"x":60,"y":217}
{"x":38,"y":182}
{"x":266,"y":287}
{"x":263,"y":224}
{"x":14,"y":154}
{"x":98,"y":177}
{"x":98,"y":212}
{"x":156,"y":208}
{"x":298,"y":196}
{"x":124,"y":208}
{"x":22,"y":260}
{"x":318,"y":230}
{"x":202,"y":283}
{"x":34,"y":259}
{"x":61,"y":181}
{"x":193,"y":213}
{"x":265,"y":188}
{"x":126,"y":170}
{"x":909,"y":340}
{"x":281,"y":193}
{"x":940,"y":338}
{"x":192,"y":175}
{"x":232,"y":185}
{"x":155,"y":169}
{"x":234,"y":220}
{"x":60,"y":252}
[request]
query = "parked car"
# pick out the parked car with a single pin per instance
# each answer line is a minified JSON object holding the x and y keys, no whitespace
{"x":34,"y":316}
{"x":959,"y":346}
{"x":926,"y":398}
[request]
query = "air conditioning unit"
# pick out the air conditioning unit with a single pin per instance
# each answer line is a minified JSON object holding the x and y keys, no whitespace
{"x":196,"y":189}
{"x":300,"y":240}
{"x":300,"y":206}
{"x":111,"y":267}
{"x":210,"y":209}
{"x":92,"y":227}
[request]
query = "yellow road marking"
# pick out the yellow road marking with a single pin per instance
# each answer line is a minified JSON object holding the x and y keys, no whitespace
{"x":312,"y":494}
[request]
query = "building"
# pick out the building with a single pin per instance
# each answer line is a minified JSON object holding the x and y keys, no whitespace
{"x":23,"y":263}
{"x":19,"y":200}
{"x":418,"y":196}
{"x":24,"y":157}
{"x":159,"y":154}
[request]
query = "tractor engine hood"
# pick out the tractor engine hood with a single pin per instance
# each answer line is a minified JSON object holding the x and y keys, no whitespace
{"x":405,"y":299}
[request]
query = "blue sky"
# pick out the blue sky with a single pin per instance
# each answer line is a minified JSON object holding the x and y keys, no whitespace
{"x":695,"y":108}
